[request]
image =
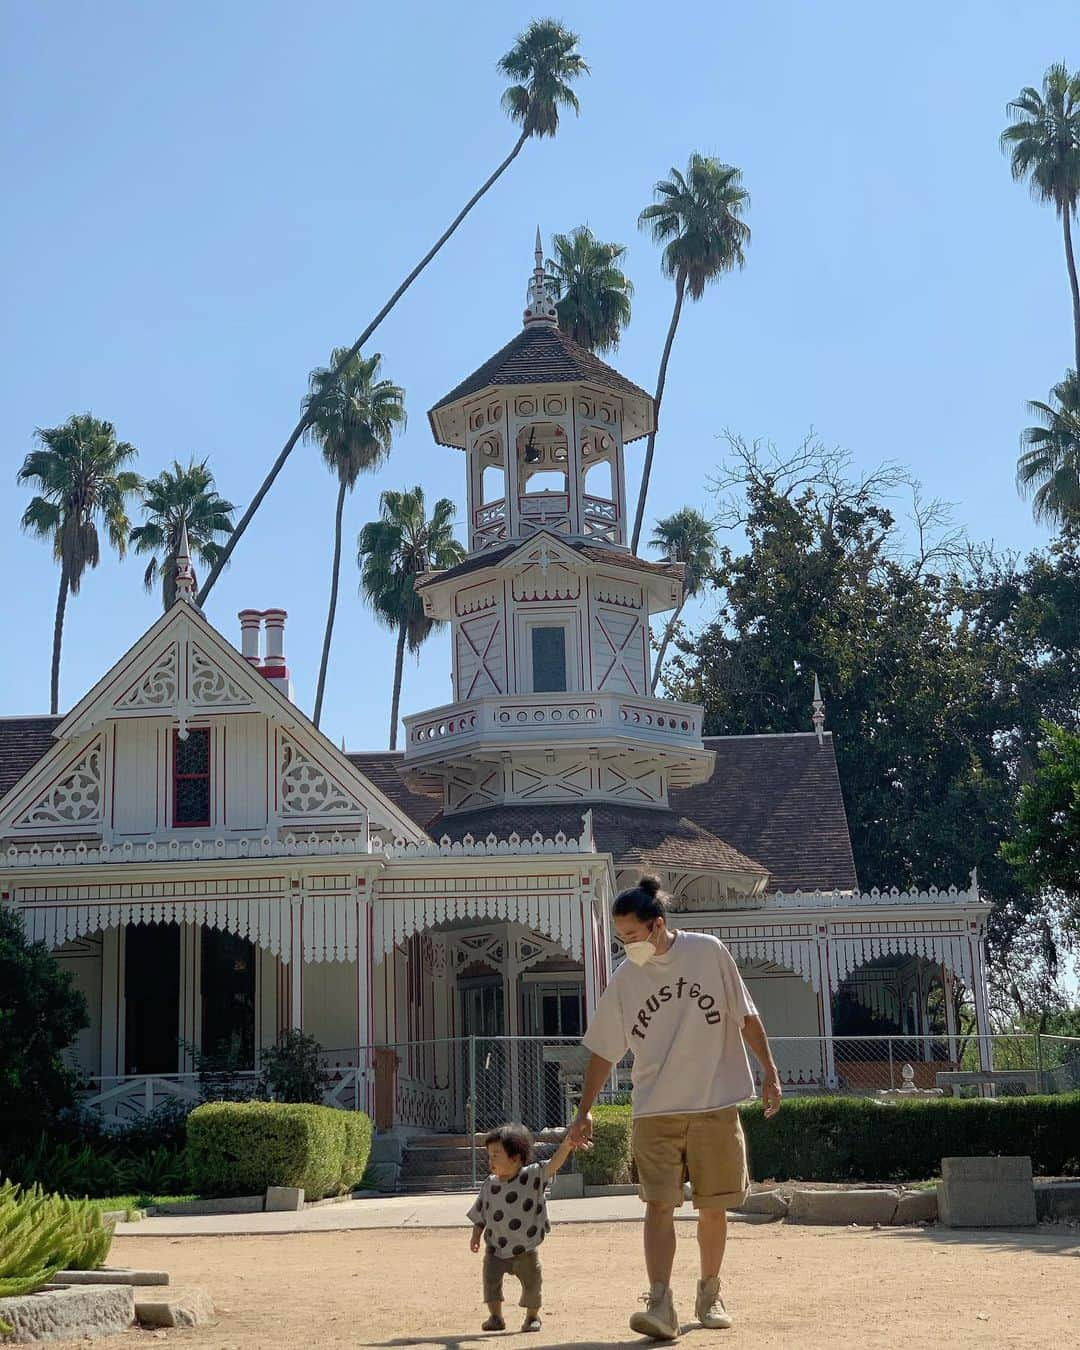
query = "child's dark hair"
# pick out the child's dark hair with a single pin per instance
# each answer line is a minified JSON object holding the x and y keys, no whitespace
{"x":645,"y":901}
{"x":516,"y":1140}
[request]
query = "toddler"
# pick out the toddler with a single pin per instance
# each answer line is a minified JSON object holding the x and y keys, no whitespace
{"x":510,"y":1215}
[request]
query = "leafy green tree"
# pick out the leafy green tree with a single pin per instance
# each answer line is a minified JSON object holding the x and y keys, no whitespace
{"x":176,"y":498}
{"x":1050,"y":467}
{"x":825,"y":584}
{"x":544,"y":63}
{"x":1044,"y":147}
{"x":41,"y":1013}
{"x":697,"y":217}
{"x":79,"y":468}
{"x":592,"y":291}
{"x":392,"y":552}
{"x":1046,"y":845}
{"x":689,"y":538}
{"x":355,"y":415}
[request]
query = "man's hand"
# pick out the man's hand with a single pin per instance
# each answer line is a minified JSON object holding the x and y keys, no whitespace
{"x":580,"y":1132}
{"x":771,"y":1094}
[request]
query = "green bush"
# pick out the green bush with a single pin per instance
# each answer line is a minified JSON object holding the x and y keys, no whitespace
{"x":41,"y":1234}
{"x":108,"y":1168}
{"x":241,"y":1148}
{"x":856,"y":1139}
{"x":608,"y":1162}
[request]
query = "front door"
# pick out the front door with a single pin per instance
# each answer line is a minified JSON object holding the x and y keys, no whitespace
{"x":485,"y":1069}
{"x":554,"y":1014}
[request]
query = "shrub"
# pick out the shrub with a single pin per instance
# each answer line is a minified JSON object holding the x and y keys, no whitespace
{"x":293,"y":1070}
{"x":608,"y":1162}
{"x":41,"y":1234}
{"x":241,"y":1148}
{"x":855,"y":1139}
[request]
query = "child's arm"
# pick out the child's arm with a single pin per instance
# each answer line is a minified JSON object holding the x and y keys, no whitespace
{"x":477,"y":1234}
{"x":559,"y":1157}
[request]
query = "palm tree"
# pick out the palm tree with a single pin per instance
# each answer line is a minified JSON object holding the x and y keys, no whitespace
{"x":176,"y":498}
{"x":79,"y":468}
{"x":698,"y":219}
{"x":1051,"y":465}
{"x":544,"y":63}
{"x":1044,"y":142}
{"x":392,"y":552}
{"x":686,"y":537}
{"x":355,"y":415}
{"x":592,"y":291}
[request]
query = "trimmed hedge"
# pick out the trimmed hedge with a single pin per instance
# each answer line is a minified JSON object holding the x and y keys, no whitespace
{"x":241,"y":1148}
{"x":856,"y":1139}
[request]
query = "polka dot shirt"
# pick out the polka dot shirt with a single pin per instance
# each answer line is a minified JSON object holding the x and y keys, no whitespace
{"x":513,"y":1213}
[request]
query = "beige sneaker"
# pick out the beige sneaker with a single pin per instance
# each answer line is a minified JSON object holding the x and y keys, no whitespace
{"x":709,"y":1307}
{"x":658,"y":1320}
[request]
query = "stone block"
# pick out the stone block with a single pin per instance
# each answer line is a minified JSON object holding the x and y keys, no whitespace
{"x":234,"y":1204}
{"x":383,"y":1176}
{"x":567,"y":1186}
{"x":769,"y":1204}
{"x":284,"y":1198}
{"x":843,"y":1207}
{"x":190,"y":1307}
{"x":916,"y":1207}
{"x":986,"y":1193}
{"x":114,"y":1276}
{"x":1057,"y":1200}
{"x":69,"y":1312}
{"x":387,"y":1147}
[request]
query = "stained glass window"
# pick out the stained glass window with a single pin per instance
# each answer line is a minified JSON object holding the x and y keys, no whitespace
{"x":191,"y":777}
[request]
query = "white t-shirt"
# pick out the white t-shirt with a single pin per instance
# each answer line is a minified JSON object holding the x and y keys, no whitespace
{"x":681,"y":1014}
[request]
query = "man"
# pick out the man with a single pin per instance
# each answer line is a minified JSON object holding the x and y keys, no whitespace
{"x":679,"y":1003}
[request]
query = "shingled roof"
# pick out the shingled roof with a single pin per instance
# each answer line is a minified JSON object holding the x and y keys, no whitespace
{"x":23,"y":741}
{"x":380,"y":767}
{"x":541,"y":354}
{"x":778,"y":799}
{"x":608,"y":557}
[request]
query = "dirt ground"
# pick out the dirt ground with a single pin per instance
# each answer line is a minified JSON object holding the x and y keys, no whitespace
{"x":789,"y":1286}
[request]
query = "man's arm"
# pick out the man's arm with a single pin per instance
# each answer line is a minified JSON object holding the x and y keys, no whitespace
{"x":597,"y":1073}
{"x":753,"y":1033}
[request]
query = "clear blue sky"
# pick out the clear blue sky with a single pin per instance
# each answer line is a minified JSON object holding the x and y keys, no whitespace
{"x":202,"y":199}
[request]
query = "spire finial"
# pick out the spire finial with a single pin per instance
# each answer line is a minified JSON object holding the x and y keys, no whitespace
{"x":818,"y":716}
{"x":540,"y":307}
{"x":185,"y":575}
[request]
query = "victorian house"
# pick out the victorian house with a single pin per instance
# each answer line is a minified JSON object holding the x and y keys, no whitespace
{"x":211,"y":868}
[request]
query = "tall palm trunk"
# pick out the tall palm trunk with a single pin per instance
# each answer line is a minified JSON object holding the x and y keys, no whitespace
{"x":302,"y":425}
{"x":58,"y":637}
{"x":661,"y":379}
{"x":395,"y":703}
{"x":669,"y":633}
{"x":1070,"y":262}
{"x":330,"y":613}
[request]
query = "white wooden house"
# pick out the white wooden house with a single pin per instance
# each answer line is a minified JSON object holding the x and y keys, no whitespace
{"x":209,"y":866}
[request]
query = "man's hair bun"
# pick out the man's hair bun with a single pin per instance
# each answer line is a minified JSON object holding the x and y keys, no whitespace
{"x":645,"y":901}
{"x":650,"y":885}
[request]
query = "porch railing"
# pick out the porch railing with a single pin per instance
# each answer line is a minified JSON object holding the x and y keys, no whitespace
{"x":470,"y":1084}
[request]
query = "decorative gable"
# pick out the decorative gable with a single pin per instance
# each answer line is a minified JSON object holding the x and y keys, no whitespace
{"x":74,"y":800}
{"x":307,"y":787}
{"x":209,"y":686}
{"x":157,"y":688}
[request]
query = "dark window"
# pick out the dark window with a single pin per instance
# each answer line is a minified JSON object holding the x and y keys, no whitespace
{"x":549,"y":660}
{"x":191,"y":777}
{"x":228,"y":997}
{"x":151,"y":997}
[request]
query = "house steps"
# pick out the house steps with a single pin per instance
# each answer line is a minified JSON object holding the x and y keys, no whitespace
{"x":434,"y":1163}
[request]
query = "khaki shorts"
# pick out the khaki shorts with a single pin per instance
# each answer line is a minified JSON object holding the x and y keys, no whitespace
{"x":707,"y":1148}
{"x":526,"y":1267}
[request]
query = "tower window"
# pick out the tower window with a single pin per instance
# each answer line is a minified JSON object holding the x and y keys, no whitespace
{"x":548,"y":660}
{"x":191,"y":778}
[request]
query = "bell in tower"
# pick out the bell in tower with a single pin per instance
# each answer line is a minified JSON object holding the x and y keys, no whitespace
{"x":549,"y":613}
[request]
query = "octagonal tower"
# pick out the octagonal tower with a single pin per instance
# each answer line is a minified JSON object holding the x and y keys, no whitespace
{"x":549,"y":613}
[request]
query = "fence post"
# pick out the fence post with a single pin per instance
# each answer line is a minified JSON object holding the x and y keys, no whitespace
{"x":148,"y":1099}
{"x":892,"y":1081}
{"x":470,"y":1107}
{"x":1038,"y":1063}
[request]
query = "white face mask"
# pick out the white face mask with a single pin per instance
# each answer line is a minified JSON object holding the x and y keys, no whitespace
{"x":641,"y":953}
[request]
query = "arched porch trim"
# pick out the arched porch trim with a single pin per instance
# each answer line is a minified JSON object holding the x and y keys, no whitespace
{"x":563,"y":919}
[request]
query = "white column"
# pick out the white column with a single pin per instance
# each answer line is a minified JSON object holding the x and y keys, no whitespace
{"x":825,"y":1004}
{"x":575,"y":470}
{"x":296,"y":966}
{"x":948,"y":984}
{"x":190,"y":991}
{"x":364,"y":977}
{"x":513,"y":520}
{"x":982,"y":1014}
{"x":512,"y":1006}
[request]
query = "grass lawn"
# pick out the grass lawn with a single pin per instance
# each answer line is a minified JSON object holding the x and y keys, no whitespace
{"x":129,"y":1202}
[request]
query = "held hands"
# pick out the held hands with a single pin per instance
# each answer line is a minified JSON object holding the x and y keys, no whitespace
{"x":771,"y":1094}
{"x":579,"y":1135}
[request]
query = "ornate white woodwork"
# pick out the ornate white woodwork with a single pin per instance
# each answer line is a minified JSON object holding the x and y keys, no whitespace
{"x":305,"y":787}
{"x":159,"y":687}
{"x":76,"y":798}
{"x":209,"y":685}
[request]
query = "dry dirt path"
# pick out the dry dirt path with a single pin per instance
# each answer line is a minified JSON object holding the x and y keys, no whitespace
{"x":815,"y":1288}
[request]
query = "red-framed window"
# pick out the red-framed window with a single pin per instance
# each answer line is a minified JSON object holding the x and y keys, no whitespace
{"x":191,"y":778}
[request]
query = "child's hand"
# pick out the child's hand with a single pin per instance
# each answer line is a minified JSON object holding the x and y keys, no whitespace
{"x":474,"y":1243}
